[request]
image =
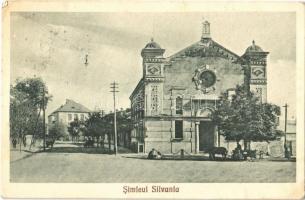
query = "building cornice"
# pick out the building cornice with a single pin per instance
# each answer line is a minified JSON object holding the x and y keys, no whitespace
{"x":153,"y":79}
{"x":139,"y":85}
{"x":258,"y":81}
{"x":154,"y":60}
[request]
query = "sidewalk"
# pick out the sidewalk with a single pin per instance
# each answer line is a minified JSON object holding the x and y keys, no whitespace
{"x":16,"y":154}
{"x":205,"y":157}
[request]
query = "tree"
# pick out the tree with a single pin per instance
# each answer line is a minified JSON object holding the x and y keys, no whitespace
{"x":74,"y":129}
{"x":26,"y":97}
{"x":124,"y":123}
{"x":243,"y":117}
{"x":97,"y":126}
{"x":57,"y":130}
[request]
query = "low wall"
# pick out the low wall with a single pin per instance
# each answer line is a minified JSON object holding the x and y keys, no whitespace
{"x":274,"y":148}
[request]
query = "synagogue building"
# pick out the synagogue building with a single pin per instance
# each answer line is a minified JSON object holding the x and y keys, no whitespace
{"x":172,"y":103}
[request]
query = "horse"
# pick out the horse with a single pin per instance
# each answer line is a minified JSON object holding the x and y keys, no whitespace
{"x":217,"y":150}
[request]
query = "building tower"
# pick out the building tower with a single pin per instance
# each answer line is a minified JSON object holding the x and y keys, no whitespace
{"x":257,"y":60}
{"x":153,"y":76}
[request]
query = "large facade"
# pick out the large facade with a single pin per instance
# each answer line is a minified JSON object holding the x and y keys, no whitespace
{"x":172,"y":102}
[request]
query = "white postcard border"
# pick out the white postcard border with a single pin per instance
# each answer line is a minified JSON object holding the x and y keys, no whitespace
{"x":187,"y":190}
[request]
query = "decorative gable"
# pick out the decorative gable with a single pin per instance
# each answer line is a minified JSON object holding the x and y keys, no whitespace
{"x":206,"y":48}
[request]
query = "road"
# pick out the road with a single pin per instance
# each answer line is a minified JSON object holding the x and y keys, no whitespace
{"x":70,"y":163}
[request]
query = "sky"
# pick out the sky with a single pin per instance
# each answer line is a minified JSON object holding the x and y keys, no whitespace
{"x":54,"y":46}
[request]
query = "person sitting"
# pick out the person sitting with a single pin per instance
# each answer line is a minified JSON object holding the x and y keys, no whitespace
{"x":261,"y":154}
{"x":159,"y":155}
{"x":238,"y":153}
{"x":238,"y":146}
{"x":153,"y":154}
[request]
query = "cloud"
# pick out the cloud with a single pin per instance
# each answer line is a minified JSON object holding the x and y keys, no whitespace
{"x":281,"y":76}
{"x":54,"y":46}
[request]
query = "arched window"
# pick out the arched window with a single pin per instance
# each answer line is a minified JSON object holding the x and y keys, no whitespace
{"x":179,"y":105}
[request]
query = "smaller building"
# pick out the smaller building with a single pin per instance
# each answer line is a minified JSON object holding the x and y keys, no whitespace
{"x":276,"y":148}
{"x":67,"y":113}
{"x":290,"y":134}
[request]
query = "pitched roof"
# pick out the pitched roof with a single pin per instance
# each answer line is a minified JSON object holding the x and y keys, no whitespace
{"x":72,"y":106}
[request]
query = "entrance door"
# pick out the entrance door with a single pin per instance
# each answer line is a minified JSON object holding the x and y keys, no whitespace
{"x":206,"y":135}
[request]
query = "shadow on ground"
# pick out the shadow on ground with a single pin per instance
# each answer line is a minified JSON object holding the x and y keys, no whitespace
{"x":91,"y":150}
{"x":282,"y":160}
{"x":70,"y":147}
{"x":178,"y":158}
{"x":206,"y":158}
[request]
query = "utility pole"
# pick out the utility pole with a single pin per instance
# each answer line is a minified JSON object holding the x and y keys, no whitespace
{"x":44,"y":119}
{"x":285,"y":145}
{"x":114,"y":87}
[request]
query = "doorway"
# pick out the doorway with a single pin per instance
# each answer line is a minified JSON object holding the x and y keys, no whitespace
{"x":206,"y":135}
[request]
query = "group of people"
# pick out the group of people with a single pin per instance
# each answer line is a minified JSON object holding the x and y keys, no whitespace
{"x":238,"y":153}
{"x":91,"y":140}
{"x":14,"y":142}
{"x":88,"y":142}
